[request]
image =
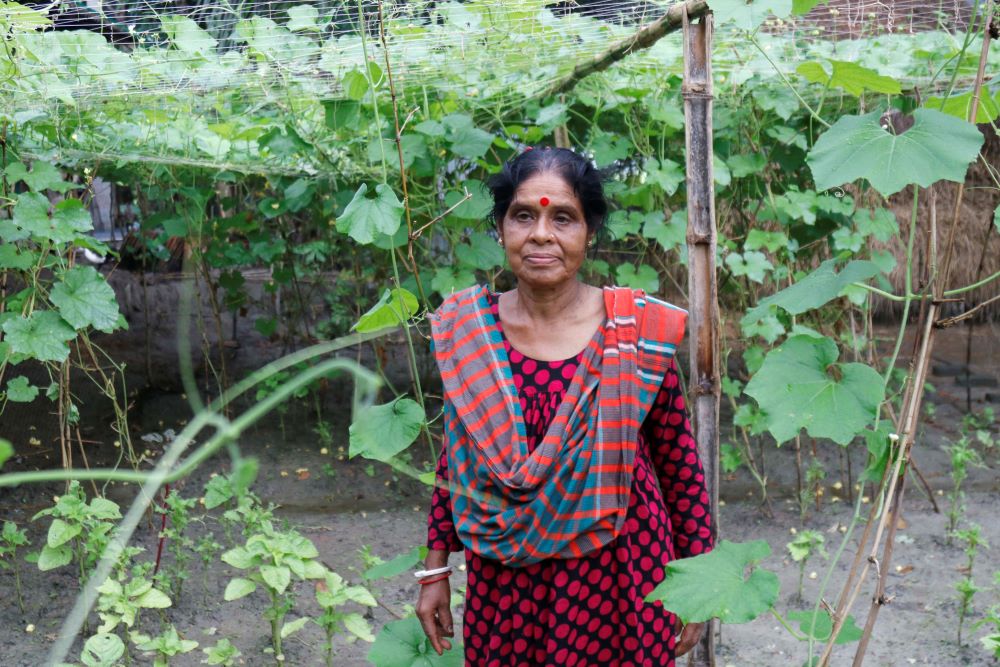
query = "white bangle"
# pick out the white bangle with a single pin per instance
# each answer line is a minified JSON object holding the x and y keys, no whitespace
{"x":430,"y":573}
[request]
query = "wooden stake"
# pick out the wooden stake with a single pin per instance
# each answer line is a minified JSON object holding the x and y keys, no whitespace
{"x":703,"y":319}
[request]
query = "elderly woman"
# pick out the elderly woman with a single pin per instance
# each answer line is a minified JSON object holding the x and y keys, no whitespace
{"x":568,"y":475}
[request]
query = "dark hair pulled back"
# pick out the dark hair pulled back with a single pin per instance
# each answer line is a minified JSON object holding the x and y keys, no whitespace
{"x":576,"y":170}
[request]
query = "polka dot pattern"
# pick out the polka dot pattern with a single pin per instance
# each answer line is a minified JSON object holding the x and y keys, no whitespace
{"x":588,"y":611}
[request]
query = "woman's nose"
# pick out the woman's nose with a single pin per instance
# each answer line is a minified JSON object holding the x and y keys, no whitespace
{"x":542,"y":231}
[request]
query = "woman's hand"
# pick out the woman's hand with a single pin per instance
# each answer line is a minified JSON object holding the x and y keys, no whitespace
{"x":434,"y":612}
{"x":689,"y":636}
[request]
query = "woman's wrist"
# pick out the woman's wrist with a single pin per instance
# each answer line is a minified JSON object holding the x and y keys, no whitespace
{"x":436,"y":558}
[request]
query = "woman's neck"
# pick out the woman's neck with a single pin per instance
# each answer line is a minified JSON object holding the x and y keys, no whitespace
{"x":548,"y":304}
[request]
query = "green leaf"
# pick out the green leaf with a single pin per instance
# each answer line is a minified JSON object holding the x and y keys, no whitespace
{"x":50,"y":558}
{"x":476,"y":208}
{"x":276,"y":576}
{"x":380,"y":432}
{"x":742,"y":166}
{"x":43,"y":176}
{"x":397,"y":306}
{"x":713,"y":585}
{"x":6,"y":451}
{"x":239,"y":557}
{"x":482,"y":252}
{"x":849,"y":631}
{"x":801,"y":385}
{"x":292,"y":627}
{"x":753,"y":264}
{"x":850,"y":76}
{"x":800,"y":7}
{"x":61,"y":532}
{"x":819,"y":287}
{"x":731,"y":458}
{"x":238,"y":588}
{"x":960,"y":105}
{"x":102,"y":508}
{"x":302,"y":17}
{"x":448,"y":279}
{"x":85,"y":299}
{"x":996,"y":217}
{"x":31,"y":214}
{"x":12,"y":258}
{"x":359,"y":627}
{"x":936,"y":147}
{"x":102,"y":650}
{"x":404,"y":644}
{"x":355,"y":85}
{"x":396,"y":566}
{"x":187,"y":36}
{"x":771,"y":241}
{"x":364,"y":217}
{"x":466,"y":139}
{"x":153,"y":599}
{"x":669,"y":234}
{"x":748,"y":14}
{"x":644,"y":277}
{"x":42,"y":336}
{"x":20,"y":390}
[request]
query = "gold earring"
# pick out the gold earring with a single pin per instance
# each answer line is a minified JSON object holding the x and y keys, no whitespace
{"x":590,"y":243}
{"x":500,"y":241}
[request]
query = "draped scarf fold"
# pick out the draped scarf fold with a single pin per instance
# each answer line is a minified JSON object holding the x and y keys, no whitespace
{"x":570,"y":495}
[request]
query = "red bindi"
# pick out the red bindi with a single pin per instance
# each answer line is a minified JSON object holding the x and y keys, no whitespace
{"x":544,"y":201}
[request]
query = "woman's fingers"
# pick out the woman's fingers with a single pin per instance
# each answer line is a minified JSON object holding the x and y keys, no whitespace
{"x":429,"y":623}
{"x":445,"y":620}
{"x":690,"y":635}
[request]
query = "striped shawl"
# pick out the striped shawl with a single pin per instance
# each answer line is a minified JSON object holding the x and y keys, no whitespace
{"x":570,"y":495}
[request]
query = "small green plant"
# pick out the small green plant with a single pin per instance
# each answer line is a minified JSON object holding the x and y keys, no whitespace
{"x":79,"y":531}
{"x":223,"y":653}
{"x":207,"y":549}
{"x":11,"y":538}
{"x":164,"y":646}
{"x":806,"y":544}
{"x":121,"y":599}
{"x":331,"y":594}
{"x":270,"y":559}
{"x":178,"y":513}
{"x":991,"y":640}
{"x":966,"y":587}
{"x":323,"y":432}
{"x":962,"y":456}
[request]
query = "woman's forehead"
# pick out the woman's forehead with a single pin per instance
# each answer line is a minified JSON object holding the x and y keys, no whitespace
{"x":551,"y":186}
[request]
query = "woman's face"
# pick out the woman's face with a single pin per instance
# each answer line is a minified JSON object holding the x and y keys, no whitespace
{"x":544,"y":232}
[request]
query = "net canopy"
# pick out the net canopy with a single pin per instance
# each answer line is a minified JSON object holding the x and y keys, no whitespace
{"x":246,"y":86}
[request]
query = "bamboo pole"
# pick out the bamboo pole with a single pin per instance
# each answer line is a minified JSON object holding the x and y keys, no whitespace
{"x":703,"y":319}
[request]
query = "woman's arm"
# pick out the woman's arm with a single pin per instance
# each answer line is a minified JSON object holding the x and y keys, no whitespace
{"x":441,"y":534}
{"x":675,"y":458}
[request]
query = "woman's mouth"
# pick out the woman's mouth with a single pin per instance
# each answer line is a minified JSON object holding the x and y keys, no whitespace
{"x":541,"y":259}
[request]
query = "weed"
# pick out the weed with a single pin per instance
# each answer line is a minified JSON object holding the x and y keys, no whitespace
{"x":966,"y":587}
{"x":164,"y":646}
{"x":271,"y":559}
{"x":806,"y":544}
{"x":11,"y":538}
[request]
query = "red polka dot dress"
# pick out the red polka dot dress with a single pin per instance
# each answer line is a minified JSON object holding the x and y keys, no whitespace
{"x":588,"y":611}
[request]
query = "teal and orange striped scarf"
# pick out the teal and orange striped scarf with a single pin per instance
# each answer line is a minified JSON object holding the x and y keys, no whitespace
{"x":570,"y":495}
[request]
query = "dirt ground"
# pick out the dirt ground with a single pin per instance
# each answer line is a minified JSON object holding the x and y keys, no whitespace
{"x":343,"y":506}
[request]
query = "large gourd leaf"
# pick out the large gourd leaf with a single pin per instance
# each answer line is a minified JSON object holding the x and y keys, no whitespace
{"x":819,"y":287}
{"x":403,"y":644}
{"x":85,"y":299}
{"x":381,"y":431}
{"x":365,"y":217}
{"x":42,"y":336}
{"x":188,"y":36}
{"x":713,"y":585}
{"x":801,"y":385}
{"x":936,"y":147}
{"x":748,"y":14}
